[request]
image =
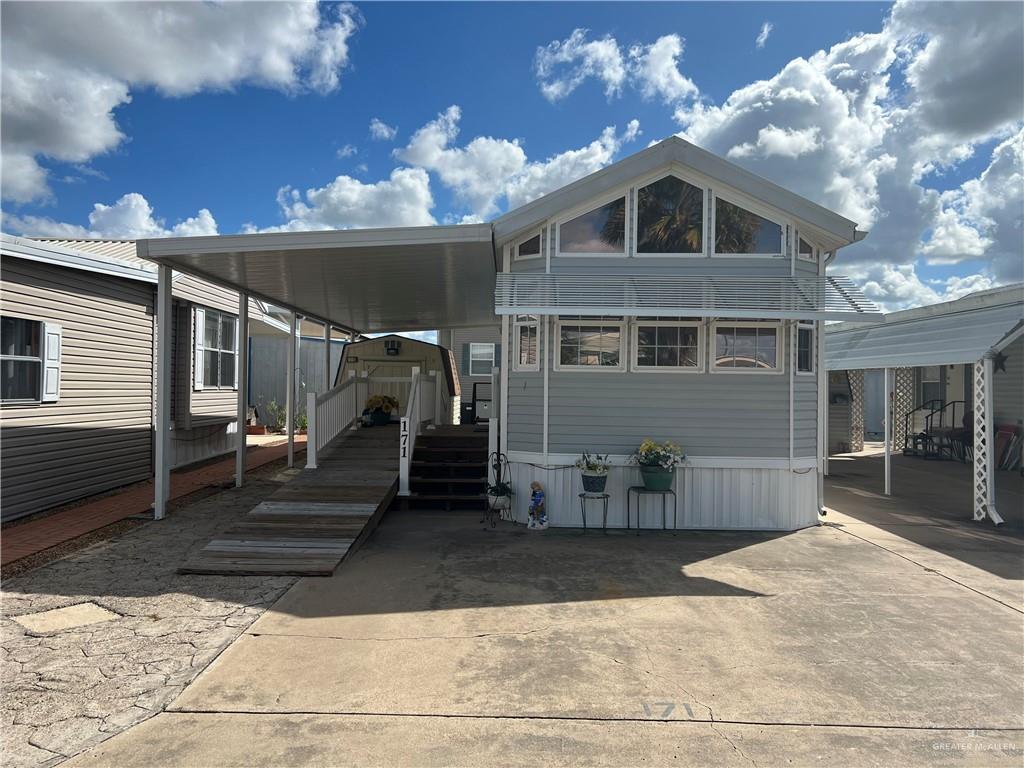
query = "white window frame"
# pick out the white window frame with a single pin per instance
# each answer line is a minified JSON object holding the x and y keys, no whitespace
{"x":780,"y":347}
{"x":593,"y":204}
{"x":634,"y":223}
{"x":805,"y":326}
{"x":634,"y":364}
{"x":490,"y":367}
{"x":40,"y":361}
{"x":623,"y":325}
{"x":221,"y":314}
{"x":748,"y":204}
{"x":534,"y":257}
{"x":531,"y":321}
{"x":815,"y":250}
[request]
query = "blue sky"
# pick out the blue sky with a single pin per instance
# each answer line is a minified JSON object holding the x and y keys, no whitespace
{"x":196,"y":132}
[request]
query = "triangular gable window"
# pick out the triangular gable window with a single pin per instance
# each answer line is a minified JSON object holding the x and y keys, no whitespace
{"x":739,"y":231}
{"x":601,"y":230}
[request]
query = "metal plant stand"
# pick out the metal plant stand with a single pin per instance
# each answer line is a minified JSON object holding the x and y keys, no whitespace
{"x":602,"y":497}
{"x":640,"y":490}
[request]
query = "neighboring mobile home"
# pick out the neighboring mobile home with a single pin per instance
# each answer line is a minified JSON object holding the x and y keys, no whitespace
{"x":672,"y":296}
{"x":77,"y":369}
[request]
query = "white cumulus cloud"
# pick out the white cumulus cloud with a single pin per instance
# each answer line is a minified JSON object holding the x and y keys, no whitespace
{"x":68,"y":66}
{"x":655,"y":68}
{"x":381,"y":131}
{"x":563,"y":65}
{"x":130,"y":218}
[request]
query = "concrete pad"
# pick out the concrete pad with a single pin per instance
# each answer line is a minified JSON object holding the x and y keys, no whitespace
{"x":435,"y":616}
{"x":59,"y":619}
{"x":189,"y":740}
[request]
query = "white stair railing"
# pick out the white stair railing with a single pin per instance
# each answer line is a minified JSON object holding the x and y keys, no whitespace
{"x":328,"y":415}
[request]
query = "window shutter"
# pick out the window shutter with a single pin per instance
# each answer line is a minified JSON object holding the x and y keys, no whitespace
{"x":465,"y":359}
{"x":51,"y":363}
{"x":238,"y":349}
{"x":199,"y":326}
{"x":497,"y":355}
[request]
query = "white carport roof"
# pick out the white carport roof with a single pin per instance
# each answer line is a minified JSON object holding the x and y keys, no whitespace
{"x":954,"y":332}
{"x":368,"y":280}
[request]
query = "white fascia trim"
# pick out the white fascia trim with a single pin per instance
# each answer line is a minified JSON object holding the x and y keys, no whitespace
{"x":693,"y":462}
{"x":45,"y":253}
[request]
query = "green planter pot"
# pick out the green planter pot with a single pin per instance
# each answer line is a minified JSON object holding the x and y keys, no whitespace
{"x":656,"y":478}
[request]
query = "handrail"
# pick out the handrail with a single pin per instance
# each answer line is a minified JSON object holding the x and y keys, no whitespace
{"x":908,"y":433}
{"x":328,"y":415}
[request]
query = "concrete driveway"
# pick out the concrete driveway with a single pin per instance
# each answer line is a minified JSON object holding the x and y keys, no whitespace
{"x":441,"y":643}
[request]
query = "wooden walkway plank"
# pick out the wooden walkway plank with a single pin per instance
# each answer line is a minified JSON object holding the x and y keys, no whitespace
{"x":310,"y":524}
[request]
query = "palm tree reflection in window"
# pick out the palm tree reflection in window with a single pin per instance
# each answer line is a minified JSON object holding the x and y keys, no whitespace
{"x":670,"y":216}
{"x":740,"y":231}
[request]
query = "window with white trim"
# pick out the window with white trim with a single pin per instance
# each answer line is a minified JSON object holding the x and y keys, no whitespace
{"x":806,"y":251}
{"x":746,"y":347}
{"x":740,"y":232}
{"x":590,"y":343}
{"x":670,"y":218}
{"x":530,"y":248}
{"x":21,"y":360}
{"x":220,"y":349}
{"x":481,"y":359}
{"x":804,"y":348}
{"x":526,"y":335}
{"x":667,"y":345}
{"x":599,"y":231}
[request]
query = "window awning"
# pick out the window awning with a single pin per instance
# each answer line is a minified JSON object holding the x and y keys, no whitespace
{"x":797,"y":298}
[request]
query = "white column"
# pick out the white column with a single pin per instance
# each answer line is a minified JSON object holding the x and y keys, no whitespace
{"x":327,"y":358}
{"x":290,"y":395}
{"x":888,"y":431}
{"x":162,"y":459}
{"x":242,"y":374}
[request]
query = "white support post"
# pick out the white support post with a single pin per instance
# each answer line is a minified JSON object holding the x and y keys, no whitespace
{"x":162,"y":458}
{"x":984,"y":444}
{"x":328,"y":383}
{"x":242,"y":374}
{"x":888,"y":430}
{"x":311,"y":430}
{"x":492,"y":449}
{"x":290,"y":395}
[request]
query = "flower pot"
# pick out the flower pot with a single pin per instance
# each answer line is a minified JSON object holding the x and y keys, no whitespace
{"x":656,"y":478}
{"x":499,"y":502}
{"x":380,"y":418}
{"x":594,"y":482}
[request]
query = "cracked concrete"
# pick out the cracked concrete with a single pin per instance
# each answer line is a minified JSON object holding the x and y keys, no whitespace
{"x":442,"y":644}
{"x":70,"y":686}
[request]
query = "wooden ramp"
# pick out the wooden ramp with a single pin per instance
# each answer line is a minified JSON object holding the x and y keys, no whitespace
{"x":309,"y":524}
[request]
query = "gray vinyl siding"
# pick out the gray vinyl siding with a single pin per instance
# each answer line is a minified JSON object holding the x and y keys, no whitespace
{"x":1008,"y":387}
{"x":709,"y":414}
{"x":98,"y":435}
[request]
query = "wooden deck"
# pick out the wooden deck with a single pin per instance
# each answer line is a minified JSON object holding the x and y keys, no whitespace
{"x":311,"y":523}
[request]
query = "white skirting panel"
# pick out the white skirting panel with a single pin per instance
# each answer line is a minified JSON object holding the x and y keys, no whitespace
{"x":189,"y":446}
{"x":708,"y":498}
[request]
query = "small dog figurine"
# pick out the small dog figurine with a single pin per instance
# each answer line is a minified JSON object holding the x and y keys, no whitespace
{"x":538,"y":513}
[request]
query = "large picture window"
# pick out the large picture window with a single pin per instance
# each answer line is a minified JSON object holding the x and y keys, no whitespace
{"x":590,"y":343}
{"x":220,"y":349}
{"x":21,"y":360}
{"x":670,"y":218}
{"x":599,"y":231}
{"x":666,"y":345}
{"x":747,"y":347}
{"x":742,"y":232}
{"x":526,"y":334}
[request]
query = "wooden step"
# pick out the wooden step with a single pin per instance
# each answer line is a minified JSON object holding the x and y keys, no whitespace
{"x":440,"y":480}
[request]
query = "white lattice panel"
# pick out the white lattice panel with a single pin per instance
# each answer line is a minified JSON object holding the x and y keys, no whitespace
{"x":981,"y":443}
{"x":856,"y":409}
{"x":903,"y":402}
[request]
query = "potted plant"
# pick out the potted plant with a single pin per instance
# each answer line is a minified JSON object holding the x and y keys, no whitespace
{"x":499,"y":495}
{"x":379,"y":409}
{"x":594,"y":469}
{"x":658,"y":462}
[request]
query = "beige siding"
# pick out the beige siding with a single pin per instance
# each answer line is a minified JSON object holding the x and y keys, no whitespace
{"x":98,"y":435}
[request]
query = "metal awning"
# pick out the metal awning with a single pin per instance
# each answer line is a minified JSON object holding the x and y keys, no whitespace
{"x":368,"y":280}
{"x":811,"y":298}
{"x":940,"y":338}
